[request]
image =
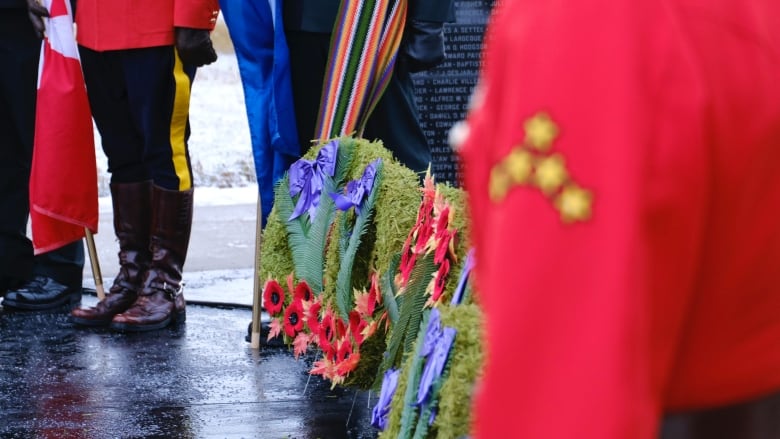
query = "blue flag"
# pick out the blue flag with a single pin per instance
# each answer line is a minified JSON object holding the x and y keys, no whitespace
{"x":264,"y":62}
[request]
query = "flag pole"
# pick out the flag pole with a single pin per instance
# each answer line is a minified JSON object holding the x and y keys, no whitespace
{"x":257,"y":293}
{"x":93,"y":259}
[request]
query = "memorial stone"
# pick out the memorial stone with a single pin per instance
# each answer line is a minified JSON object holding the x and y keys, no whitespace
{"x":443,"y":93}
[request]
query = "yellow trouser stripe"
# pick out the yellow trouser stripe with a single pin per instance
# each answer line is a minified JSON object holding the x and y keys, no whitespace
{"x":181,"y":108}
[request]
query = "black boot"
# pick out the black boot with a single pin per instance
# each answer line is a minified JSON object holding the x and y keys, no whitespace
{"x":160,"y":302}
{"x":132,"y":204}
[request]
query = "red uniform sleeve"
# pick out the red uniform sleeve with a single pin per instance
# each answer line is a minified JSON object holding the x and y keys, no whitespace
{"x":584,"y":168}
{"x":196,"y":14}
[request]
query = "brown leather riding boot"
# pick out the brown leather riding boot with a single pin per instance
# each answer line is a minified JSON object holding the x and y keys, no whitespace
{"x":132,"y":204}
{"x":160,"y":301}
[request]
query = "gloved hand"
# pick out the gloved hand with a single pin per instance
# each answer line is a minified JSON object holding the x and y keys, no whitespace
{"x":194,"y":46}
{"x":37,"y":12}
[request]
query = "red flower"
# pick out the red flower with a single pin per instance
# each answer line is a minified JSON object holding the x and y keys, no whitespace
{"x":273,"y":297}
{"x":408,"y":258}
{"x":356,"y":326}
{"x":440,"y":280}
{"x":312,"y":314}
{"x":445,"y":246}
{"x":302,"y":292}
{"x":366,"y":302}
{"x":346,"y":359}
{"x":344,"y":351}
{"x":340,"y":326}
{"x":424,"y":232}
{"x":325,"y":335}
{"x":293,"y":318}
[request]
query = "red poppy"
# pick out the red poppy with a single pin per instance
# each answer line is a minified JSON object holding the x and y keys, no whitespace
{"x":293,"y":318}
{"x":273,"y":297}
{"x":424,"y":232}
{"x":445,"y":246}
{"x":303,"y":292}
{"x":312,"y":313}
{"x":344,"y":350}
{"x":356,"y":326}
{"x":406,"y":267}
{"x":440,"y":280}
{"x":340,"y":326}
{"x":366,"y":302}
{"x":325,"y":335}
{"x":346,"y":359}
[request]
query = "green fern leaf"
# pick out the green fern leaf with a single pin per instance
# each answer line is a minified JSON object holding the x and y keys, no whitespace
{"x":404,"y":332}
{"x":389,"y":290}
{"x":421,"y":276}
{"x":307,"y":238}
{"x":409,"y":414}
{"x":344,"y":297}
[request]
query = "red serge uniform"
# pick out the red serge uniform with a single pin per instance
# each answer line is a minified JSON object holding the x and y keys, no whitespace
{"x":128,"y":24}
{"x":622,"y":166}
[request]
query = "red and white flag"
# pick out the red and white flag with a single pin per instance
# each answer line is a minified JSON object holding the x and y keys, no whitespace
{"x":63,"y":180}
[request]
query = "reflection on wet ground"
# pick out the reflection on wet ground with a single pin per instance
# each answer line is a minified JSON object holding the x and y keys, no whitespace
{"x":199,"y":379}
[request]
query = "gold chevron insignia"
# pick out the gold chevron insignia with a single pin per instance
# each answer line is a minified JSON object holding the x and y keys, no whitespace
{"x":530,"y":164}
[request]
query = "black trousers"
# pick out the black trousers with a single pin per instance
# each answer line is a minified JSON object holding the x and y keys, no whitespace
{"x":140,"y":100}
{"x":20,"y":50}
{"x":395,"y":119}
{"x":755,"y":419}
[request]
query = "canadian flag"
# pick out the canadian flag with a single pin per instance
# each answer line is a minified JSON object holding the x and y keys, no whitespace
{"x":63,"y":179}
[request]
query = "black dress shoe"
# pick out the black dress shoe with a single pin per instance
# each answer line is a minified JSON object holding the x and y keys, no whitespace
{"x":41,"y":293}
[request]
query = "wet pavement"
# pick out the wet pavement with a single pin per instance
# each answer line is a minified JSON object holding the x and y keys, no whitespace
{"x":199,"y":379}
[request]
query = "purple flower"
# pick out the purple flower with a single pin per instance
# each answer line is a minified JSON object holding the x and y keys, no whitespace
{"x":432,"y":333}
{"x":468,"y":264}
{"x":435,"y":364}
{"x":357,"y":190}
{"x":307,"y":178}
{"x":382,"y":407}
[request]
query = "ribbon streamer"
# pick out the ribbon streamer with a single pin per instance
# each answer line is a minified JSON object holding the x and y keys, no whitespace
{"x":307,"y":178}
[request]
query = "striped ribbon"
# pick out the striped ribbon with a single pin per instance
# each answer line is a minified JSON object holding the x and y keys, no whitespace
{"x":363,"y":50}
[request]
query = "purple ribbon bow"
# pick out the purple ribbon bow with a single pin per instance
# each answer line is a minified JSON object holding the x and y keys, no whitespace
{"x":357,"y":190}
{"x":382,"y":408}
{"x":468,"y":264}
{"x":307,"y":178}
{"x":436,"y":346}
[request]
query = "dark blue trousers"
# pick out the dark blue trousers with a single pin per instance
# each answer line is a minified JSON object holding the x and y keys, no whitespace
{"x":20,"y":50}
{"x":140,"y":101}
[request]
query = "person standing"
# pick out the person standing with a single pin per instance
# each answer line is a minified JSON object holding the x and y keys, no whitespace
{"x":621,"y":170}
{"x":139,"y":59}
{"x":395,"y":120}
{"x":53,"y":279}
